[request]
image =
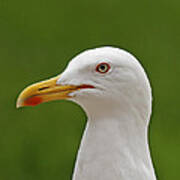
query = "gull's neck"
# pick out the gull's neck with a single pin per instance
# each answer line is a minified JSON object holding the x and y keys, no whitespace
{"x":114,"y":147}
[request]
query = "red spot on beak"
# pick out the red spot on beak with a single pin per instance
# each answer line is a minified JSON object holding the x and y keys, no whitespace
{"x":32,"y":101}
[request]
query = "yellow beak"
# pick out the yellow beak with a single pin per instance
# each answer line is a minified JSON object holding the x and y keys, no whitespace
{"x":46,"y":91}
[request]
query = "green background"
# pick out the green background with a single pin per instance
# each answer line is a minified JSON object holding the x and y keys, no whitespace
{"x":39,"y":37}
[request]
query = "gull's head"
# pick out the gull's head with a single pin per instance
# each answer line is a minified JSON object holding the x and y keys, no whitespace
{"x":97,"y":77}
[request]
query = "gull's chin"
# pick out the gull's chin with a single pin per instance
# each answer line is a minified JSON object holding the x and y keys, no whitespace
{"x":84,"y":94}
{"x":81,"y":92}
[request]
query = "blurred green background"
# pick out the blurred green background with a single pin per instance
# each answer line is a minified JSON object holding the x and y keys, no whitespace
{"x":39,"y":37}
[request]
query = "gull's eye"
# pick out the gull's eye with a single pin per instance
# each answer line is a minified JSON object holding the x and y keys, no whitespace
{"x":103,"y":67}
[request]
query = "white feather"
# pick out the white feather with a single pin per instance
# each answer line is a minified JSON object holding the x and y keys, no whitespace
{"x":115,"y":143}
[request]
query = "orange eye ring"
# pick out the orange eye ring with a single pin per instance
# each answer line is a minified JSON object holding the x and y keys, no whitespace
{"x":103,"y":67}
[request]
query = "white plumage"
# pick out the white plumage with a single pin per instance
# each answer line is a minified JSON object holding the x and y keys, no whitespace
{"x":115,"y":141}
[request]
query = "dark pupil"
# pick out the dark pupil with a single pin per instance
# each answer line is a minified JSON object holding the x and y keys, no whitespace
{"x":102,"y":67}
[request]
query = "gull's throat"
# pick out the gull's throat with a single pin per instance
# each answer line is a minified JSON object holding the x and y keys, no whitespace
{"x":114,"y":147}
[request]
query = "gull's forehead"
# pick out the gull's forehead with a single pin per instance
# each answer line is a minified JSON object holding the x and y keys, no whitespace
{"x":92,"y":57}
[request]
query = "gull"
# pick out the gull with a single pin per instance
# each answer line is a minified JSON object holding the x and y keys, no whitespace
{"x":113,"y":89}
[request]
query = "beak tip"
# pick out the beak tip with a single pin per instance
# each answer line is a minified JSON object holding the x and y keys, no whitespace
{"x":18,"y":106}
{"x":19,"y":103}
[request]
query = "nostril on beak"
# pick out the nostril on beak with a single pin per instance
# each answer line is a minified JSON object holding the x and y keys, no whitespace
{"x":43,"y":88}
